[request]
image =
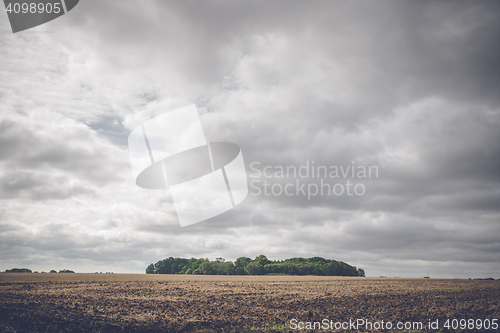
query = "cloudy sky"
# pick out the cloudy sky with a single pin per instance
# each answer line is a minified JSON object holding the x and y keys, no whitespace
{"x":411,"y":88}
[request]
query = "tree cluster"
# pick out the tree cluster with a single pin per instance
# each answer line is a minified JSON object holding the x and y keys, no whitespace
{"x":18,"y":270}
{"x":26,"y":270}
{"x":258,"y":266}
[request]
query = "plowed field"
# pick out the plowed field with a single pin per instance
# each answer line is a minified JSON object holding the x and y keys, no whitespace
{"x":174,"y":303}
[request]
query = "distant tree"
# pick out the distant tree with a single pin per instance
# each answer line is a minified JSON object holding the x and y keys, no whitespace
{"x":65,"y":271}
{"x":240,"y":264}
{"x":207,"y":268}
{"x":262,"y":260}
{"x":150,"y":269}
{"x":18,"y":270}
{"x":318,"y":259}
{"x":194,"y":265}
{"x":222,"y":267}
{"x":254,"y":268}
{"x":160,"y":267}
{"x":274,"y":268}
{"x":259,"y":266}
{"x":53,"y":271}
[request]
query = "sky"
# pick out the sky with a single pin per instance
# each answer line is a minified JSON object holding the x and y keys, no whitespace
{"x":409,"y":88}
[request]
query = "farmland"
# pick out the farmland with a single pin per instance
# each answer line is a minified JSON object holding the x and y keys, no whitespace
{"x":60,"y":302}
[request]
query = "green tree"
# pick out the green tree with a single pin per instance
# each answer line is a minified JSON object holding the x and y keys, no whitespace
{"x":18,"y":270}
{"x":207,"y":268}
{"x":150,"y":269}
{"x":262,"y":260}
{"x":259,"y":266}
{"x":254,"y":268}
{"x":240,"y":264}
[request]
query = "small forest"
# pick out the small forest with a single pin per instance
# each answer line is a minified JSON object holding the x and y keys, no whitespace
{"x":258,"y":266}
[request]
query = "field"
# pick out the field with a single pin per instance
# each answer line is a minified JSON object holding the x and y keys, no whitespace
{"x":60,"y":302}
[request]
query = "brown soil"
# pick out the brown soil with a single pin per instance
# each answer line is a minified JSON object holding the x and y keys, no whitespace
{"x":174,"y":303}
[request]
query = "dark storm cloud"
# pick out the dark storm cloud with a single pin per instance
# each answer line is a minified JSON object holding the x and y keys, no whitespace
{"x":410,"y":87}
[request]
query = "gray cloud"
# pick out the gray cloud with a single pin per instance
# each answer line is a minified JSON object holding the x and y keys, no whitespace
{"x":15,"y":185}
{"x":410,"y":87}
{"x":48,"y":141}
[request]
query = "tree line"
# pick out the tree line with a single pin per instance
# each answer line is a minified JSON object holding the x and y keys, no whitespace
{"x":27,"y":270}
{"x":261,"y":265}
